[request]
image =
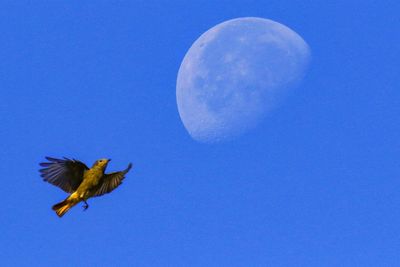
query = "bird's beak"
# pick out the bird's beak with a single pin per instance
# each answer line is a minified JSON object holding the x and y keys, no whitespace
{"x":109,"y":160}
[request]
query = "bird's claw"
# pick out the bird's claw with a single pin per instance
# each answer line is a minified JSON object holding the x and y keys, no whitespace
{"x":86,"y":206}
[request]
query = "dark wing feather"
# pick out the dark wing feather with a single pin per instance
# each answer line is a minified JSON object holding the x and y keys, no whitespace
{"x":65,"y":173}
{"x":111,"y":181}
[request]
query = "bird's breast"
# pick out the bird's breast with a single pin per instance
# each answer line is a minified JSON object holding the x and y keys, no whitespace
{"x":90,"y":180}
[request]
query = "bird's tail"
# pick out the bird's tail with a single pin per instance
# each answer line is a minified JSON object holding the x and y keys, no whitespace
{"x":64,"y":206}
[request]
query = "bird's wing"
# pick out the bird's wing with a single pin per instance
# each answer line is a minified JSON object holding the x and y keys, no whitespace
{"x":111,"y":181}
{"x":65,"y":173}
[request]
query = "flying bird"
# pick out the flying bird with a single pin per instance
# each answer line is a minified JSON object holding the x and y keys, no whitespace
{"x":81,"y":182}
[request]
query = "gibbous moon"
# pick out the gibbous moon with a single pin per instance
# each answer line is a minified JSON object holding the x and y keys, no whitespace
{"x":235,"y":73}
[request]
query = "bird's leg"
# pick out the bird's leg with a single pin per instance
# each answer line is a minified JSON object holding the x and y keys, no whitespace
{"x":86,"y":206}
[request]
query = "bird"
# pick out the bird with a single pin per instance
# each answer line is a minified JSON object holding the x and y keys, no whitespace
{"x":81,"y":182}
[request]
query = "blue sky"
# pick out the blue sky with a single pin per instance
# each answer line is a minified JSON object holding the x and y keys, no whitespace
{"x":316,"y":184}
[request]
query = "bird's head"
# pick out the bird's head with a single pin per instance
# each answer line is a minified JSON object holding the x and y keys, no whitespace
{"x":101,"y":163}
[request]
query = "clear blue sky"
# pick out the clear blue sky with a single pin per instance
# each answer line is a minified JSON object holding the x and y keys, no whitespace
{"x":317,"y":184}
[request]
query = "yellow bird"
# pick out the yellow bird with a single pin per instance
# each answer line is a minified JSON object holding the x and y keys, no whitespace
{"x":82,"y":183}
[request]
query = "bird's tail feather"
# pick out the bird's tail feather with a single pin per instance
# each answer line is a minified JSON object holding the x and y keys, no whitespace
{"x":64,"y":206}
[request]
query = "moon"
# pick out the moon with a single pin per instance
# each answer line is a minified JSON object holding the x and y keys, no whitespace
{"x":235,"y":73}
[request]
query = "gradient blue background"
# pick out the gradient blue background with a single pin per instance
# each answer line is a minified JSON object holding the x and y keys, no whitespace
{"x":317,"y":184}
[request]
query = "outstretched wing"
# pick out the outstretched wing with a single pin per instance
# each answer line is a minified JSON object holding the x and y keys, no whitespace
{"x":65,"y":173}
{"x":111,"y":181}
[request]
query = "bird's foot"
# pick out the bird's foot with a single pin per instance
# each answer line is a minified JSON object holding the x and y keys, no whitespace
{"x":86,"y":206}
